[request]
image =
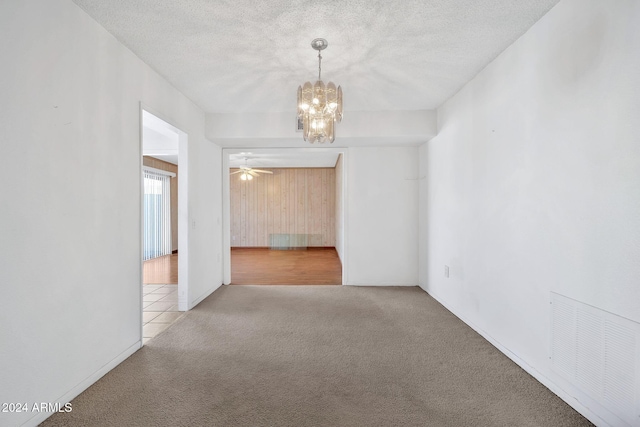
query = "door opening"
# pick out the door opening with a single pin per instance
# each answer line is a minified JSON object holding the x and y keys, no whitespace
{"x":164,"y":233}
{"x":287,"y":221}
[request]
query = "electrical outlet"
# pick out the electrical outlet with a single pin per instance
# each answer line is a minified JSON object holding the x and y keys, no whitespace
{"x":446,"y":271}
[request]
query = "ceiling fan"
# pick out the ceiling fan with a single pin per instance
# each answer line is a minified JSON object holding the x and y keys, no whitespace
{"x":248,"y":173}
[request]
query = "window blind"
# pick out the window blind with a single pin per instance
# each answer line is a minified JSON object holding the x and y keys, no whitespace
{"x":157,"y":214}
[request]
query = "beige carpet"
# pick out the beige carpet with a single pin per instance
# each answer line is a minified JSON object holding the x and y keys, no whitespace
{"x":318,"y":356}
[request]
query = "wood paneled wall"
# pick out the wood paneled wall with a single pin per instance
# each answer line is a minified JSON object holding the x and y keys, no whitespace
{"x":169,"y":167}
{"x":291,"y":201}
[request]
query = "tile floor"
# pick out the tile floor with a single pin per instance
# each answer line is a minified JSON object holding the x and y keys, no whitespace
{"x":159,"y":309}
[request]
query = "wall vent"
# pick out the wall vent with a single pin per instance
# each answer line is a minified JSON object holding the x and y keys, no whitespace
{"x":597,"y":352}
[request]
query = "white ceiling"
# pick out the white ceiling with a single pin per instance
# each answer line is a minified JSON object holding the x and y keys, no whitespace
{"x":250,"y":55}
{"x":395,"y":60}
{"x":159,"y":139}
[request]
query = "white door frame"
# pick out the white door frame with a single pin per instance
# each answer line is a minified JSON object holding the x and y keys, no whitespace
{"x":183,"y":208}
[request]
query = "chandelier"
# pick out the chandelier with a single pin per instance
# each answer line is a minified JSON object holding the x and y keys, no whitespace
{"x":319,"y":106}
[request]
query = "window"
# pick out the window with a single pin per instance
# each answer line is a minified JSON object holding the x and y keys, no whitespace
{"x":157,"y":214}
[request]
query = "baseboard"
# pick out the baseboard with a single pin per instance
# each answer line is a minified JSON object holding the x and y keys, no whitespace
{"x":544,"y":380}
{"x":205,"y":295}
{"x":285,"y":247}
{"x":392,"y":284}
{"x":85,"y":384}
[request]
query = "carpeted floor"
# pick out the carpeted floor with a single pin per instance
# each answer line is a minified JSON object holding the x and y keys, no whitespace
{"x":318,"y":356}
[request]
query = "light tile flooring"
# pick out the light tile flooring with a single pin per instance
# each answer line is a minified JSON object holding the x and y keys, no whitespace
{"x":159,"y":309}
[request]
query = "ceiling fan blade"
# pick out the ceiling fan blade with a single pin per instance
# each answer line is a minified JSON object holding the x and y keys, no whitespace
{"x":262,"y":171}
{"x":251,"y":172}
{"x":239,"y":171}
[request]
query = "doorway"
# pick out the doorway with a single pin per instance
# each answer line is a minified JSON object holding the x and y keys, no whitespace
{"x":286,"y":224}
{"x":164,"y":249}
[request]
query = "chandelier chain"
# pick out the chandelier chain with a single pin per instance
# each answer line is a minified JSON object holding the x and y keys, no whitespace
{"x":319,"y":65}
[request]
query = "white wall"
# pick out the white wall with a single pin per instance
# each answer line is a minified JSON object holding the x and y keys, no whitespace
{"x":358,"y":129}
{"x":70,"y":213}
{"x":340,"y":207}
{"x":205,"y":207}
{"x":382,"y":216}
{"x":533,"y":182}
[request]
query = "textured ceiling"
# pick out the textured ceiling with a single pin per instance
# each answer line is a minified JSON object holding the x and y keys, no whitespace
{"x":250,"y":56}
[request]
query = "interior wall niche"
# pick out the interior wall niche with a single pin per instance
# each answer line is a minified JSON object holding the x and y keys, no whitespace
{"x":292,"y":207}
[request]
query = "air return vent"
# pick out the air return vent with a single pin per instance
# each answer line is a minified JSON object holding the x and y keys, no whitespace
{"x":597,"y":352}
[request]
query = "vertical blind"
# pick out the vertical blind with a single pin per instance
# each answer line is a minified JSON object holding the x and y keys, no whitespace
{"x":157,"y":215}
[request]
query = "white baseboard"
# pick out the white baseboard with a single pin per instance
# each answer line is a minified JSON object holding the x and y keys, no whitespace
{"x":555,"y":388}
{"x":85,"y":384}
{"x":381,"y":284}
{"x":203,"y":296}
